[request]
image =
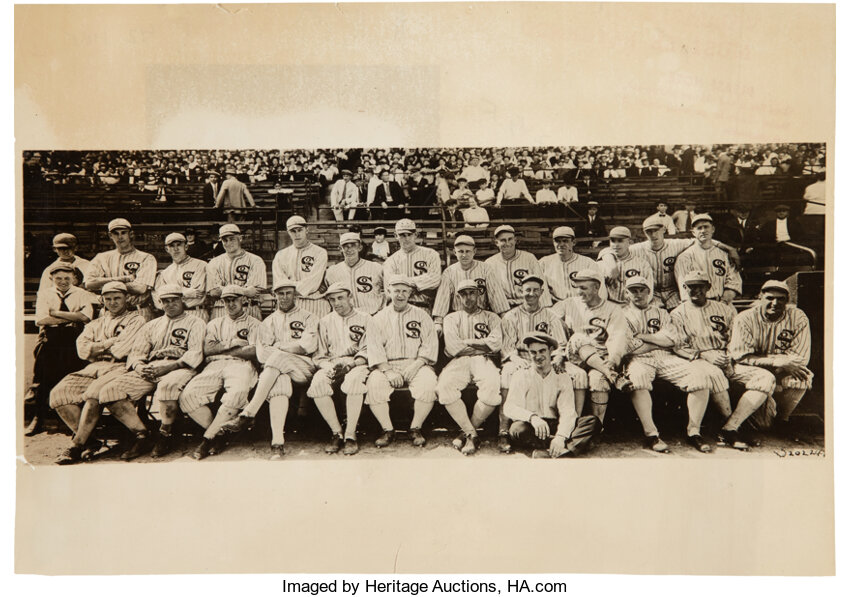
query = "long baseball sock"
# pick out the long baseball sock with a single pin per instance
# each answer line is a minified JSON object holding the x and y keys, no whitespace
{"x":642,"y":401}
{"x":278,"y":407}
{"x":326,"y":407}
{"x":697,"y":403}
{"x":749,"y":403}
{"x":353,"y":407}
{"x":457,"y":410}
{"x":786,"y":402}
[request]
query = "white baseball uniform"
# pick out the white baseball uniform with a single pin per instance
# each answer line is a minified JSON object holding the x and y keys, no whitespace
{"x":191,"y":275}
{"x":139,"y":265}
{"x":559,"y":274}
{"x":423,"y":265}
{"x":245,"y":270}
{"x":340,"y":337}
{"x":512,"y":272}
{"x":478,"y":368}
{"x":714,"y":262}
{"x":663,"y":262}
{"x":491,"y":296}
{"x":366,"y":281}
{"x":306,"y":267}
{"x":635,"y":264}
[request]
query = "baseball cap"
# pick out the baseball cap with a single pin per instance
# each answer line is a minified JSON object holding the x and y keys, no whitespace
{"x":283,"y":283}
{"x":588,"y":274}
{"x":174,"y":237}
{"x":337,"y":287}
{"x":295,"y":221}
{"x":232,"y":290}
{"x":620,"y":232}
{"x":540,"y":338}
{"x":170,"y":291}
{"x":405,"y":225}
{"x":61,"y":267}
{"x":637,"y":281}
{"x":463,"y":239}
{"x":63,"y":239}
{"x":349,"y":237}
{"x":653,"y":221}
{"x":533,"y":278}
{"x":228,"y":229}
{"x":403,"y":280}
{"x":563,"y":232}
{"x":113,"y":287}
{"x":503,"y":228}
{"x":467,"y":285}
{"x":776,"y":285}
{"x":696,"y":276}
{"x":119,"y":223}
{"x":701,"y":218}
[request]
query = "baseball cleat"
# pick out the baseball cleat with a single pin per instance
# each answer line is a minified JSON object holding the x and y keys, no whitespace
{"x":203,"y":450}
{"x":386,"y":438}
{"x":335,"y":445}
{"x":505,"y":443}
{"x":749,"y":437}
{"x":91,"y":449}
{"x":163,"y":446}
{"x":732,"y":439}
{"x":238,"y":424}
{"x":141,"y":446}
{"x":698,"y":442}
{"x":656,"y":444}
{"x":217,"y":445}
{"x":470,"y":446}
{"x":457,"y":443}
{"x":416,"y":437}
{"x":350,"y":448}
{"x":278,"y":452}
{"x":72,"y":455}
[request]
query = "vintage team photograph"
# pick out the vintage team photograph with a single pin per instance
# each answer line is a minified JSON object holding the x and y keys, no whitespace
{"x":656,"y":301}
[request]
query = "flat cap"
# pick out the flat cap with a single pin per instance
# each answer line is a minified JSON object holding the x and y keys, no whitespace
{"x":61,"y":266}
{"x":503,"y":228}
{"x":283,"y":283}
{"x":463,"y":239}
{"x":540,"y":338}
{"x":637,"y":281}
{"x":403,"y":280}
{"x":467,"y":285}
{"x":779,"y":206}
{"x":620,"y":232}
{"x":776,"y":285}
{"x":64,"y":239}
{"x":589,"y":274}
{"x":701,"y":218}
{"x":653,"y":221}
{"x":228,"y":229}
{"x":174,"y":237}
{"x":696,"y":276}
{"x":119,"y":223}
{"x":170,"y":291}
{"x":294,"y":221}
{"x":593,"y":203}
{"x":533,"y":278}
{"x":349,"y":237}
{"x":564,"y":232}
{"x":405,"y":225}
{"x":337,"y":287}
{"x":113,"y":287}
{"x":232,"y":290}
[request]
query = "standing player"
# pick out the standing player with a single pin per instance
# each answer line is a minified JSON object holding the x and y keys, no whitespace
{"x":342,"y":362}
{"x":185,"y":271}
{"x":646,"y":360}
{"x":524,"y":319}
{"x":420,"y":264}
{"x":491,"y":297}
{"x":285,"y":345}
{"x":165,"y":356}
{"x":230,"y":349}
{"x":402,"y":350}
{"x":619,"y":263}
{"x":236,"y":266}
{"x":704,"y":256}
{"x":304,"y":263}
{"x":560,"y":268}
{"x":65,"y":246}
{"x":473,"y":340}
{"x":512,"y":266}
{"x":136,"y":269}
{"x":105,"y":342}
{"x":364,"y":278}
{"x":600,"y":338}
{"x":775,"y":336}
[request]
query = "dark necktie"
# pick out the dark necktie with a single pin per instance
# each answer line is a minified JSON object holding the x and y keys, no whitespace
{"x":62,"y":305}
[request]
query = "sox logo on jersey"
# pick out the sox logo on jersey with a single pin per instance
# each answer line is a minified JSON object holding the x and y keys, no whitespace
{"x":131,"y":267}
{"x":482,"y":330}
{"x":630,"y":273}
{"x":718,"y":324}
{"x":719,"y":267}
{"x":356,"y":332}
{"x":482,"y":285}
{"x":307,"y":263}
{"x":669,"y":262}
{"x":519,"y":276}
{"x":784,"y":339}
{"x":179,"y":337}
{"x":542,"y":327}
{"x":242,"y":334}
{"x":596,"y":329}
{"x":414,"y":329}
{"x":242,"y":273}
{"x":187,"y":279}
{"x":653,"y":325}
{"x":364,"y":284}
{"x":419,"y":268}
{"x":296,"y":328}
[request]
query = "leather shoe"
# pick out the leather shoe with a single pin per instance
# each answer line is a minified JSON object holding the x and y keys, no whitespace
{"x":386,"y":438}
{"x":72,"y":455}
{"x":416,"y":437}
{"x":141,"y":446}
{"x":470,"y":446}
{"x":505,"y":443}
{"x":350,"y":448}
{"x":163,"y":445}
{"x":698,"y":442}
{"x":335,"y":445}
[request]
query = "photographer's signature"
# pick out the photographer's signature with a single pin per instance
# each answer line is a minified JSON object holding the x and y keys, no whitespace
{"x":782,"y":452}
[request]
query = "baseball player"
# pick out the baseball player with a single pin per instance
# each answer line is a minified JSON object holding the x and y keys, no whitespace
{"x":136,"y":269}
{"x":542,"y":407}
{"x":402,"y":350}
{"x":704,"y":256}
{"x":65,"y":246}
{"x":491,"y":296}
{"x":60,"y":313}
{"x":524,"y":319}
{"x":285,"y":345}
{"x":342,"y":362}
{"x":512,"y":265}
{"x":236,"y":266}
{"x":230,"y":349}
{"x":105,"y":342}
{"x":165,"y":356}
{"x":774,"y":335}
{"x":473,"y":339}
{"x":645,"y":360}
{"x":185,"y":271}
{"x":364,"y":278}
{"x":304,"y":263}
{"x":599,"y":339}
{"x":421,"y":264}
{"x":702,"y":329}
{"x":559,"y":268}
{"x":619,"y":262}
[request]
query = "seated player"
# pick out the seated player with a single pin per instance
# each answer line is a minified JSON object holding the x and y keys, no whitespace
{"x":402,"y":351}
{"x":165,"y":356}
{"x":230,"y":349}
{"x":541,"y":405}
{"x":285,"y":345}
{"x":646,"y":359}
{"x":620,"y":262}
{"x":775,"y":336}
{"x":473,"y":339}
{"x":105,"y":342}
{"x":342,"y":363}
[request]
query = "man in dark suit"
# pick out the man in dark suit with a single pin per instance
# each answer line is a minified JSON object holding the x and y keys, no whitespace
{"x":592,"y":225}
{"x":781,"y":239}
{"x":739,"y":229}
{"x":388,"y":194}
{"x":211,"y":188}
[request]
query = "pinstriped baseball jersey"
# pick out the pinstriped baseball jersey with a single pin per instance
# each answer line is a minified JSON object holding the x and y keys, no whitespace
{"x":481,"y":325}
{"x":663,"y":261}
{"x":754,"y":335}
{"x":646,"y":321}
{"x":123,"y":327}
{"x":422,"y":264}
{"x":340,"y":336}
{"x":512,"y":272}
{"x":305,"y":266}
{"x":558,"y":274}
{"x":180,"y":338}
{"x":702,"y":328}
{"x":191,"y":274}
{"x":246,"y":269}
{"x":138,"y":264}
{"x":225,"y":330}
{"x":715,"y":263}
{"x":633,"y":265}
{"x":604,"y":326}
{"x":366,"y":281}
{"x":519,"y":321}
{"x":280,"y":328}
{"x":407,"y":334}
{"x":491,"y":296}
